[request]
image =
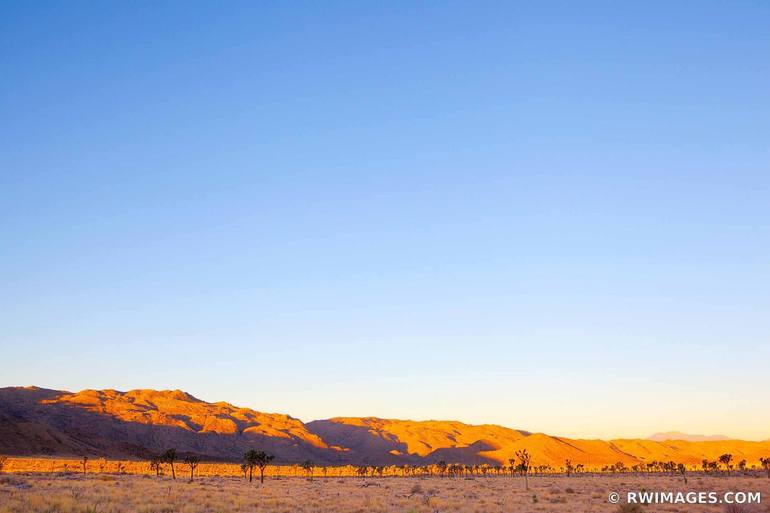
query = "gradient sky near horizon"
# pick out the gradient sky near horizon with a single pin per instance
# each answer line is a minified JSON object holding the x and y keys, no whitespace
{"x":553,"y":216}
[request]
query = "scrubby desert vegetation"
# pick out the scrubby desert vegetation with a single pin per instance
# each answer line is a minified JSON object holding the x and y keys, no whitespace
{"x":162,"y":466}
{"x":259,"y":464}
{"x":100,"y":486}
{"x":108,"y":493}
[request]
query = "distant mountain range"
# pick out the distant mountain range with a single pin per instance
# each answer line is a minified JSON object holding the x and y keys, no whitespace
{"x":141,"y":423}
{"x":678,"y":435}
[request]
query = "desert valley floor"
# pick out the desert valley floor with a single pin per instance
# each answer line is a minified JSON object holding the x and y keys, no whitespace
{"x":73,"y":493}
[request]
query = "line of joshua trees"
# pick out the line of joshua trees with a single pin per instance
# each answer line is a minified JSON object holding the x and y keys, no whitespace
{"x":252,"y":460}
{"x":521,"y":465}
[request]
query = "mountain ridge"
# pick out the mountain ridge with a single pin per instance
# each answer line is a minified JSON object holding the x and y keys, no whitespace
{"x":678,"y":435}
{"x":142,"y":422}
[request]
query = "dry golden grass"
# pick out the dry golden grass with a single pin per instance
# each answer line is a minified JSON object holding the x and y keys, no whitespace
{"x":105,"y":493}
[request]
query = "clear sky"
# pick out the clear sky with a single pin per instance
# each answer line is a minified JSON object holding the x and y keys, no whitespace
{"x":551,"y":216}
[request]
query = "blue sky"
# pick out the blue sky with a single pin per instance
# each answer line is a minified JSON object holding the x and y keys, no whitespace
{"x":544,"y":215}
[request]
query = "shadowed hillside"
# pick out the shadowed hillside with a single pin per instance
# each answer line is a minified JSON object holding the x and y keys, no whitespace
{"x":143,"y":422}
{"x":405,"y":440}
{"x":140,"y":423}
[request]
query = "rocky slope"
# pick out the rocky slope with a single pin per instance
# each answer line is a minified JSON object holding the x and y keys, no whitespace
{"x":143,"y":422}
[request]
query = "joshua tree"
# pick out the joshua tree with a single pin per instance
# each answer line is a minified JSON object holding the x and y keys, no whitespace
{"x":568,"y":467}
{"x":84,"y":462}
{"x":765,"y":465}
{"x":363,"y":470}
{"x":256,"y":459}
{"x":681,"y":468}
{"x":262,"y":460}
{"x":308,"y":466}
{"x":250,"y":462}
{"x":441,"y":467}
{"x":524,"y":456}
{"x":192,"y":462}
{"x":725,"y":460}
{"x":156,"y":464}
{"x":245,"y":470}
{"x":169,"y":457}
{"x":742,"y":465}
